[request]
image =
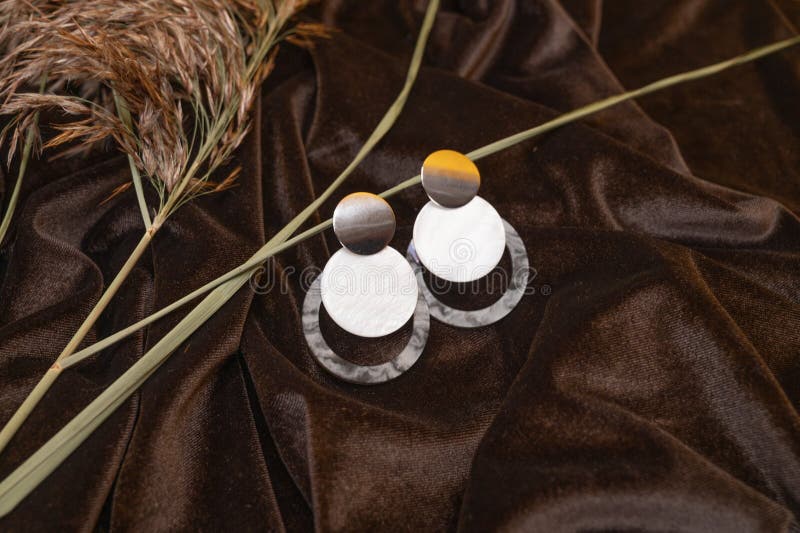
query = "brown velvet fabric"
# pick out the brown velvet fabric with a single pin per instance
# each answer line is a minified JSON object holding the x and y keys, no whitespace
{"x":655,"y":388}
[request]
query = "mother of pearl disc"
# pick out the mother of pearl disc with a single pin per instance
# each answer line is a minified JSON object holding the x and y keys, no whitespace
{"x":369,"y":295}
{"x":461,"y":244}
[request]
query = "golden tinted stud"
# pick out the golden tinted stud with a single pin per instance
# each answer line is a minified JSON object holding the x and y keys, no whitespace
{"x":450,"y":179}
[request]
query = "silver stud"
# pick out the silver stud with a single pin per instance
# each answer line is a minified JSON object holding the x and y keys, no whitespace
{"x":364,"y":223}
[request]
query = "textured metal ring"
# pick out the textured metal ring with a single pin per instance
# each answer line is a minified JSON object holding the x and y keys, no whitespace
{"x":362,"y":374}
{"x":488,"y":315}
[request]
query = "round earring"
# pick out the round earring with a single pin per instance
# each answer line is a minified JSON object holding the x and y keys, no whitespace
{"x":368,"y":288}
{"x":460,"y":237}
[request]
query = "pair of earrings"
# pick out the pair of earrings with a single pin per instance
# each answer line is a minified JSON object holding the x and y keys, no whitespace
{"x":369,"y":289}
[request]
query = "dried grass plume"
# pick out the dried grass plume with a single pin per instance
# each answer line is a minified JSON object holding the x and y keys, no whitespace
{"x":171,"y":83}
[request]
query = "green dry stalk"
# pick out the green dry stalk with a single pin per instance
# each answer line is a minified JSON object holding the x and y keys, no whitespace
{"x":33,"y":471}
{"x":125,"y":117}
{"x":23,"y":167}
{"x":27,"y":151}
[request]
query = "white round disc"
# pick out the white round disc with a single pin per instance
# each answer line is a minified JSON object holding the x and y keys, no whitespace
{"x":461,"y":244}
{"x":369,"y":295}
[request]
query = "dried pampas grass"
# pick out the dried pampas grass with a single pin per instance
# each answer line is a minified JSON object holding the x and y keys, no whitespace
{"x":186,"y":72}
{"x":169,"y":83}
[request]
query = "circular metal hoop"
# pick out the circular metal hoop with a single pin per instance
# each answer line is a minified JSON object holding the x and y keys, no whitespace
{"x":488,"y":315}
{"x":361,"y":374}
